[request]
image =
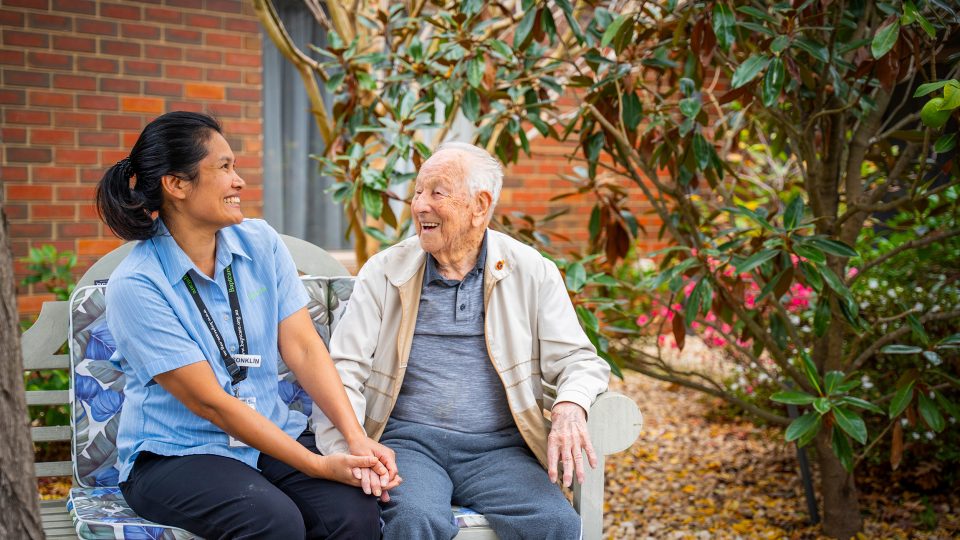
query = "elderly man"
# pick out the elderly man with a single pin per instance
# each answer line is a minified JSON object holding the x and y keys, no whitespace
{"x":443,"y":351}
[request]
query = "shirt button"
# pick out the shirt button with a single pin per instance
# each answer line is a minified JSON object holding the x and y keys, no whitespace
{"x":463,"y":307}
{"x":226,"y":318}
{"x":233,"y":348}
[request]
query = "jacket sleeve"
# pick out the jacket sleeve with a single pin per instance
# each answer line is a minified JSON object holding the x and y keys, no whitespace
{"x":567,"y":358}
{"x":352,"y":348}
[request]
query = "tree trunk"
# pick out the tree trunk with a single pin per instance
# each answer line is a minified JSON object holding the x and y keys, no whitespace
{"x":841,"y":506}
{"x":19,"y":503}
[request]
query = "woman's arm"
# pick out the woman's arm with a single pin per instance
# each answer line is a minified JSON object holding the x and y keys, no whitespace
{"x":196,"y":387}
{"x":307,"y":357}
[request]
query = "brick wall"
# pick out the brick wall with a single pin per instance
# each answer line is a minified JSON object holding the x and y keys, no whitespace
{"x":78,"y":81}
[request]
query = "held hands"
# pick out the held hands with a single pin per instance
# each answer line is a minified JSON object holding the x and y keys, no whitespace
{"x":379,"y":479}
{"x":568,"y":440}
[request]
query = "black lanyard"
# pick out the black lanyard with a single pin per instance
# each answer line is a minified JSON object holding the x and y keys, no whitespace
{"x":237,"y":373}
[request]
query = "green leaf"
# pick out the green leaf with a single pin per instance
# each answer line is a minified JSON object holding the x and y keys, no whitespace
{"x":333,"y":83}
{"x":588,"y":319}
{"x":931,"y":415}
{"x":885,"y":39}
{"x":755,"y":260}
{"x":821,"y":317}
{"x":822,"y":405}
{"x":692,"y":308}
{"x":901,"y":349}
{"x":861,"y":403}
{"x":748,"y":70}
{"x":500,"y":48}
{"x":945,"y":143}
{"x":773,"y":83}
{"x":613,"y":29}
{"x":833,"y":281}
{"x":524,"y":28}
{"x":576,"y":277}
{"x":949,"y":342}
{"x":809,"y":422}
{"x":917,"y":327}
{"x":948,"y":406}
{"x":690,"y":107}
{"x":814,"y":49}
{"x":793,"y":397}
{"x":779,"y":44}
{"x":475,"y":69}
{"x":901,"y":399}
{"x":372,"y":202}
{"x":470,"y":105}
{"x":594,"y":226}
{"x":832,"y":247}
{"x":724,"y":23}
{"x":841,"y":447}
{"x":794,"y":213}
{"x":810,"y":253}
{"x":831,"y":381}
{"x":927,"y":88}
{"x":702,"y":151}
{"x":812,"y":275}
{"x":851,"y":423}
{"x":632,"y":111}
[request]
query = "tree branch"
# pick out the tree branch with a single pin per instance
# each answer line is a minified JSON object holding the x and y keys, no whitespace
{"x":924,"y":240}
{"x":896,"y":334}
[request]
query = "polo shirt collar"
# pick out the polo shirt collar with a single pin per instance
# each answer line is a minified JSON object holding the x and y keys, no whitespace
{"x":176,"y":263}
{"x":432,"y":274}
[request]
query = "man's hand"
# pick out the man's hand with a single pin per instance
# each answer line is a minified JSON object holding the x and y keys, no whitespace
{"x":370,"y":481}
{"x":568,"y":440}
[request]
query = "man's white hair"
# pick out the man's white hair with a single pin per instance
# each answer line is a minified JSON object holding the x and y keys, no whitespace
{"x":484,"y":172}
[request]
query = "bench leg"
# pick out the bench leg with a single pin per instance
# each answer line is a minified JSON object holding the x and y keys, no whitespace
{"x":588,"y":500}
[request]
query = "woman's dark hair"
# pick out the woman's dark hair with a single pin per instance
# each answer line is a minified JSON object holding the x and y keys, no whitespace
{"x":174,"y":143}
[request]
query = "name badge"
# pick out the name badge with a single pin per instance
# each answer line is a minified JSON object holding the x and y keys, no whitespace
{"x":252,"y":403}
{"x":247,"y":360}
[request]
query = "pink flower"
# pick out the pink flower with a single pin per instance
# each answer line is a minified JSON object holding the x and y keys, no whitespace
{"x":852,"y":272}
{"x":642,"y":320}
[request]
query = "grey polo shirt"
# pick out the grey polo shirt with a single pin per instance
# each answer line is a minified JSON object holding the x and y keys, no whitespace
{"x":450,"y":381}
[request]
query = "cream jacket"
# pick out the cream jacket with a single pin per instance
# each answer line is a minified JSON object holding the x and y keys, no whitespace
{"x":531,"y":330}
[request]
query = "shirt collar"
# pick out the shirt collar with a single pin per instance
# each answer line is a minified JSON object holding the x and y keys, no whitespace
{"x":176,"y":263}
{"x":432,"y":274}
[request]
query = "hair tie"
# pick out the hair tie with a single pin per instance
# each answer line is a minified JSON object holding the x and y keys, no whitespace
{"x":125,"y":167}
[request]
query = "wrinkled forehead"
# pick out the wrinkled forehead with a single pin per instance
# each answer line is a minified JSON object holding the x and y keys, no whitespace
{"x":445,"y":167}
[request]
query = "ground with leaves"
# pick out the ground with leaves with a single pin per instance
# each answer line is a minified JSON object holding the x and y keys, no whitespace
{"x":695,"y":473}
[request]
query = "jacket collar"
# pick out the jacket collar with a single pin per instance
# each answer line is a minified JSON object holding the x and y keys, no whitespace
{"x":175,"y":262}
{"x":404,"y":260}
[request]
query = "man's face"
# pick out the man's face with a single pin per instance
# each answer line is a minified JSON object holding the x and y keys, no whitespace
{"x":444,"y":213}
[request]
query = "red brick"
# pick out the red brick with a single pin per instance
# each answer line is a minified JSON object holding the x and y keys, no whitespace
{"x":96,"y":26}
{"x":231,"y":41}
{"x":204,"y":91}
{"x":245,"y":128}
{"x":28,"y":155}
{"x":191,"y":106}
{"x":98,"y":65}
{"x":12,"y":135}
{"x":87,"y":7}
{"x":55,"y":174}
{"x":113,"y":156}
{"x":99,"y":138}
{"x":138,"y":104}
{"x":204,"y":56}
{"x":174,"y":71}
{"x":14,"y":174}
{"x":121,"y":121}
{"x":31,"y":304}
{"x":74,"y":82}
{"x":224,"y":6}
{"x":31,"y":230}
{"x":15,"y":116}
{"x":140,"y":31}
{"x":78,"y":230}
{"x":12,"y":97}
{"x":98,"y":247}
{"x":50,"y":60}
{"x":254,"y":78}
{"x":48,"y":21}
{"x":244,"y":94}
{"x":129,"y":86}
{"x":16,"y":38}
{"x":223,"y":75}
{"x":12,"y":77}
{"x":163,"y":88}
{"x":11,"y":18}
{"x":181,"y":35}
{"x":161,"y":15}
{"x":52,"y":136}
{"x":75,"y":119}
{"x":244,"y":60}
{"x":121,"y":48}
{"x":16,"y":211}
{"x":241,"y":25}
{"x":251,"y":42}
{"x":192,"y":4}
{"x":101,"y":103}
{"x":120,"y":11}
{"x":194,"y":20}
{"x":88,"y":212}
{"x":228,"y":110}
{"x":29,"y":193}
{"x":161,"y":52}
{"x":130,"y":139}
{"x":74,"y":44}
{"x":138,"y":67}
{"x":73,"y":156}
{"x":53,"y":211}
{"x":76,"y":193}
{"x":10,"y":57}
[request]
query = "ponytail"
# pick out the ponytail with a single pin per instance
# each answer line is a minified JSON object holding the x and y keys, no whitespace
{"x":172,"y":144}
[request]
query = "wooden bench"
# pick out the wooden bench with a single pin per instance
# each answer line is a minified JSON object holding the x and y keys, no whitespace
{"x":614,"y":419}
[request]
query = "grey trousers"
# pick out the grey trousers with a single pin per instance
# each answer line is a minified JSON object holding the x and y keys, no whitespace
{"x":492,"y":473}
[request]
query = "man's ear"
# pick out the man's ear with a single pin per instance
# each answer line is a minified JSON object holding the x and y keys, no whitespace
{"x":174,"y":186}
{"x":484,"y":202}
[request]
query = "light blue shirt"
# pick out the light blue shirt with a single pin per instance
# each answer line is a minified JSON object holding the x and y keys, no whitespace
{"x":158,"y":328}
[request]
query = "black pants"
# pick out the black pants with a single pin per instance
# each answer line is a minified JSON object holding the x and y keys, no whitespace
{"x":218,"y":497}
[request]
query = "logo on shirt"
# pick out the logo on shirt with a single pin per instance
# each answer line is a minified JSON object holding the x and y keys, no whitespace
{"x":253,"y":295}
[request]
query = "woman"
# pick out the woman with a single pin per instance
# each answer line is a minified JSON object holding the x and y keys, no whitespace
{"x":202,"y":310}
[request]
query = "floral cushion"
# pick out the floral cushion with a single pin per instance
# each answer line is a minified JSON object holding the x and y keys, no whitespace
{"x":102,"y":513}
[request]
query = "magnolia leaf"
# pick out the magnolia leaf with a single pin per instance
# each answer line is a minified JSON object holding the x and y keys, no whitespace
{"x":861,"y":403}
{"x":724,"y":23}
{"x":793,"y":397}
{"x":885,"y":39}
{"x":748,"y":70}
{"x":841,"y":447}
{"x":809,"y":422}
{"x":614,"y":28}
{"x":927,"y":88}
{"x":931,"y":415}
{"x":755,"y":260}
{"x":901,"y":399}
{"x":576,"y":277}
{"x":794,"y":213}
{"x":945,"y":143}
{"x":523,"y":29}
{"x":470,"y":105}
{"x":901,"y":349}
{"x":831,"y":381}
{"x":833,"y":247}
{"x":475,"y":69}
{"x":851,"y":423}
{"x":822,"y":405}
{"x":810,"y":253}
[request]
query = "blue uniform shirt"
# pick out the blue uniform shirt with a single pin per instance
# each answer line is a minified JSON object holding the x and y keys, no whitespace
{"x":158,"y":328}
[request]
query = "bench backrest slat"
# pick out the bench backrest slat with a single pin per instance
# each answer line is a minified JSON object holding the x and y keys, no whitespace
{"x":50,"y":433}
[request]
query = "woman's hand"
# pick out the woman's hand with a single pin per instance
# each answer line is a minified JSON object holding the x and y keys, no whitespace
{"x":372,"y":481}
{"x":341,"y":467}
